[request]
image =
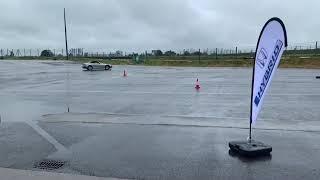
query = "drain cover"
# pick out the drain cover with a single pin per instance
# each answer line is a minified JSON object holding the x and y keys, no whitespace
{"x":49,"y":164}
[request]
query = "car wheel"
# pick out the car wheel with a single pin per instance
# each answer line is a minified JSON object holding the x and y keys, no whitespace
{"x":90,"y":68}
{"x":107,"y":67}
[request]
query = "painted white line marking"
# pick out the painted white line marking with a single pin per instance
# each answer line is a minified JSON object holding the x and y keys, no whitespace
{"x":168,"y":116}
{"x":47,"y":136}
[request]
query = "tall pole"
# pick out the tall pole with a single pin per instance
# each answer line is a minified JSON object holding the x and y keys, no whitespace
{"x":236,"y":52}
{"x":67,"y":52}
{"x":65,"y":32}
{"x":199,"y":53}
{"x":146,"y":53}
{"x":216,"y":53}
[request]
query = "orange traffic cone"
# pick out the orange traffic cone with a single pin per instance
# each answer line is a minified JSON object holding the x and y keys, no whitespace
{"x":124,"y":73}
{"x":197,"y":84}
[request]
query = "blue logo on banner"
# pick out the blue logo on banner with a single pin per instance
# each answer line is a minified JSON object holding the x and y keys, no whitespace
{"x":262,"y":58}
{"x":268,"y":72}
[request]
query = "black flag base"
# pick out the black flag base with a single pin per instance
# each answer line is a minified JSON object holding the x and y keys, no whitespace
{"x":250,"y":148}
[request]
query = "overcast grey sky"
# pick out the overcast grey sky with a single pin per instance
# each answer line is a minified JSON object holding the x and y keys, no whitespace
{"x":133,"y":25}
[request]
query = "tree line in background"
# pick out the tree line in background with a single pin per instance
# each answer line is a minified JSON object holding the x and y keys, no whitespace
{"x":300,"y":48}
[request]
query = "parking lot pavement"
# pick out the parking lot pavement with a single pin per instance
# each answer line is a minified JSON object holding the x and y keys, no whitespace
{"x":13,"y":174}
{"x":152,"y":124}
{"x":145,"y":151}
{"x":21,"y":146}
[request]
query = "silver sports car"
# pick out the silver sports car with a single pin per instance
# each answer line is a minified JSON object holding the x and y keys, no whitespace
{"x":96,"y":65}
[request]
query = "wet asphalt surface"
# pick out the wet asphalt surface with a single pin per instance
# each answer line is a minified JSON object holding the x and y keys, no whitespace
{"x":153,"y":124}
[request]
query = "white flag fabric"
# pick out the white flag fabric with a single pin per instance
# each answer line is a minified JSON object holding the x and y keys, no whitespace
{"x":271,"y":44}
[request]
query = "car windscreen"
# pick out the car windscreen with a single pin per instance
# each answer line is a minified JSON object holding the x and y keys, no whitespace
{"x":96,"y":62}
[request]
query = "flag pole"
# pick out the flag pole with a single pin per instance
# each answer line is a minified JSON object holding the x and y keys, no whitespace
{"x":252,"y":84}
{"x":65,"y":32}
